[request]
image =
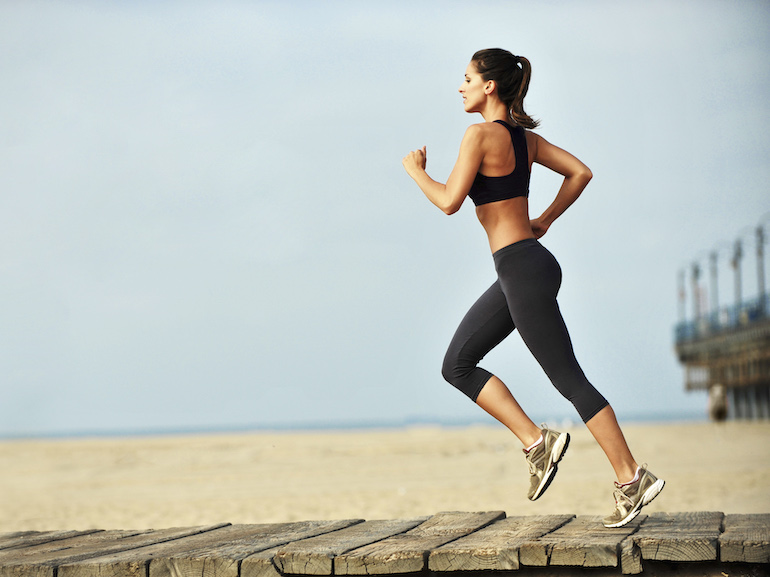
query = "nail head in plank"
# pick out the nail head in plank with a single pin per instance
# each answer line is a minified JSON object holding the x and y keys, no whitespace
{"x":746,"y":538}
{"x":15,"y":534}
{"x":680,"y":536}
{"x":408,"y":552}
{"x":32,"y":538}
{"x":316,"y":556}
{"x":495,"y":547}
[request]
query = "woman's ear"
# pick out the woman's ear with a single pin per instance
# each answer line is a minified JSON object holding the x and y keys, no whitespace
{"x":490,"y":87}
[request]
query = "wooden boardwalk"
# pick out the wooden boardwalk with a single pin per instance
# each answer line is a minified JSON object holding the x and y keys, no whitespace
{"x":446,"y":543}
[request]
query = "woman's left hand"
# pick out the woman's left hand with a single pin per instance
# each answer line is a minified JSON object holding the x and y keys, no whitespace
{"x":415,"y":161}
{"x":539,"y":228}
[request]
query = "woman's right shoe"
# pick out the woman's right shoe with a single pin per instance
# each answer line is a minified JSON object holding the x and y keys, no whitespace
{"x":543,"y":459}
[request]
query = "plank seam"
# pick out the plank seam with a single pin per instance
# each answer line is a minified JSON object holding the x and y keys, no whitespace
{"x":635,"y":549}
{"x":383,"y":538}
{"x":426,"y":554}
{"x":274,"y":563}
{"x":722,"y":529}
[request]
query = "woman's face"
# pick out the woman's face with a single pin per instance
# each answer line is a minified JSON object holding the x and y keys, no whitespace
{"x":472,"y":89}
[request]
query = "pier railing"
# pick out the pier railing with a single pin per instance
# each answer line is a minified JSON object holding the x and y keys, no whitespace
{"x":726,"y":349}
{"x":724,"y":319}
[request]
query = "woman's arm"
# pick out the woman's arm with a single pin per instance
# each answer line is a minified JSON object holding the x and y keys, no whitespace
{"x":576,"y":177}
{"x":449,"y":197}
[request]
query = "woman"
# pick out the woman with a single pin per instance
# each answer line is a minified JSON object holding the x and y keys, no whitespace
{"x":493,"y":169}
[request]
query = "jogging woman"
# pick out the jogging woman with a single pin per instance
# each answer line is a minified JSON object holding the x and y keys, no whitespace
{"x":493,"y":169}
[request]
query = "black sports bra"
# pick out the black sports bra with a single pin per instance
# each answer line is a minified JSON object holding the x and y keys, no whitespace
{"x":486,"y":189}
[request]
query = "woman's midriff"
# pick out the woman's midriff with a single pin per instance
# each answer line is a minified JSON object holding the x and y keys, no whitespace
{"x":505,"y":221}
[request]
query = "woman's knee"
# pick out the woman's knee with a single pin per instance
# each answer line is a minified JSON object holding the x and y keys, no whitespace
{"x":464,"y":375}
{"x":450,"y":368}
{"x":579,"y":391}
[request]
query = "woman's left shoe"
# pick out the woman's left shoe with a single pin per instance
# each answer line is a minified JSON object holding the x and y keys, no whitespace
{"x":542,"y":460}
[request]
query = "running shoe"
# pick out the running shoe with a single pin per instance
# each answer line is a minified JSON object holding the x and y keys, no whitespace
{"x":542,"y":460}
{"x":630,"y":498}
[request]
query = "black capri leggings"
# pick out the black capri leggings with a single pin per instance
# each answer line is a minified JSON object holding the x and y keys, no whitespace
{"x":524,"y":298}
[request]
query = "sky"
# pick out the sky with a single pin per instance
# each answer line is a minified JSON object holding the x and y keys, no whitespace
{"x":205,"y":224}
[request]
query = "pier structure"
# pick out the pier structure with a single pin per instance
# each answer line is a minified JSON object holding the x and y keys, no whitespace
{"x":725,"y":347}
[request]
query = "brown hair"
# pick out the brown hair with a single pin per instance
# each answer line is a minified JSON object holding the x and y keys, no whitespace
{"x":511,"y":75}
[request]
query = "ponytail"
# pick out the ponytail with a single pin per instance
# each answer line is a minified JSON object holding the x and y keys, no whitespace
{"x":516,"y":107}
{"x":511,"y":75}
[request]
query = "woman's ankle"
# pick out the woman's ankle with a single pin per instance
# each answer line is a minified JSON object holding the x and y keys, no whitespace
{"x":629,"y":475}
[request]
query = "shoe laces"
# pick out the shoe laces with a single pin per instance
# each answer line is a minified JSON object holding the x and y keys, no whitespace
{"x":621,"y":498}
{"x":532,"y":467}
{"x":531,"y":457}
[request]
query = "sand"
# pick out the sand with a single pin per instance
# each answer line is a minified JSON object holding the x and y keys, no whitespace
{"x":167,"y":481}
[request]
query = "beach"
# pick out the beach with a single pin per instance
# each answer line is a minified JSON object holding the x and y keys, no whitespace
{"x":265,"y":477}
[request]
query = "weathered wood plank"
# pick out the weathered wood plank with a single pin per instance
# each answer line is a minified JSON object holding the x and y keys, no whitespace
{"x":680,"y":536}
{"x":46,"y":547}
{"x":31,"y":538}
{"x":630,"y":557}
{"x":408,"y":552}
{"x":43,"y":560}
{"x":134,"y":562}
{"x":253,"y":555}
{"x":484,"y":543}
{"x":14,"y":534}
{"x":315,"y":556}
{"x":746,"y":538}
{"x":261,"y":564}
{"x":6,"y":537}
{"x":495,"y":547}
{"x":583,"y":542}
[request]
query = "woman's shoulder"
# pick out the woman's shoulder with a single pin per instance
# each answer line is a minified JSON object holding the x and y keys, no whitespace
{"x":479,"y":128}
{"x":533,"y":139}
{"x":476,"y":134}
{"x":487,"y":126}
{"x":486,"y":131}
{"x":533,"y":144}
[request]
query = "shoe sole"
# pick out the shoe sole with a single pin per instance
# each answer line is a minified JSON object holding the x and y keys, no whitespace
{"x":652,"y":492}
{"x":557,"y":452}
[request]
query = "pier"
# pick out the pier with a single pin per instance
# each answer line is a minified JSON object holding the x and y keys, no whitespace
{"x":449,"y":544}
{"x":725,"y":348}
